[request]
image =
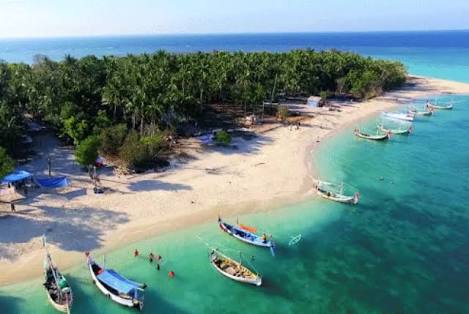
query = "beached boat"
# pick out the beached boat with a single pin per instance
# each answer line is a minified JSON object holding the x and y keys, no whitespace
{"x":116,"y":287}
{"x":440,"y":107}
{"x":232,"y":269}
{"x":335,"y":192}
{"x":246,"y":234}
{"x":56,"y":286}
{"x":373,"y":137}
{"x":409,"y":116}
{"x":400,"y":131}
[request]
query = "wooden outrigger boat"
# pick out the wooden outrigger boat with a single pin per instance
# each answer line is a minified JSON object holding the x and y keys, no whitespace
{"x":325,"y":190}
{"x":233,"y":269}
{"x":57,"y":288}
{"x":439,"y":107}
{"x":116,"y":287}
{"x":409,"y":116}
{"x":376,"y":137}
{"x":247,"y":235}
{"x":427,"y":112}
{"x":402,"y":131}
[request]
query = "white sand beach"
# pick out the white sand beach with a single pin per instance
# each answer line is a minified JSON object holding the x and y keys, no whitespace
{"x":269,"y":170}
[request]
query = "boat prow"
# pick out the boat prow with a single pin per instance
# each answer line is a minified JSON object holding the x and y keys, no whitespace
{"x":233,"y":269}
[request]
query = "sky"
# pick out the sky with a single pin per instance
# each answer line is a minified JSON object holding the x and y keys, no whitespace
{"x":57,"y":18}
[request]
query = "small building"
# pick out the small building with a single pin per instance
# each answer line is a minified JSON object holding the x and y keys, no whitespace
{"x":313,"y":101}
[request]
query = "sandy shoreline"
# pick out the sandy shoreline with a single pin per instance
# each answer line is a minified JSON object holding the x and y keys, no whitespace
{"x":272,"y":170}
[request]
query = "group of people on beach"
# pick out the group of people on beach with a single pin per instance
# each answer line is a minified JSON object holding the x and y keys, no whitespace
{"x":297,"y":125}
{"x":155,"y":258}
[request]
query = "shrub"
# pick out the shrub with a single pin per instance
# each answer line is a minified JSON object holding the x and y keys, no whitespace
{"x":133,"y":153}
{"x":154,"y":144}
{"x":87,"y":151}
{"x":112,"y":139}
{"x":7,"y":164}
{"x":223,"y":138}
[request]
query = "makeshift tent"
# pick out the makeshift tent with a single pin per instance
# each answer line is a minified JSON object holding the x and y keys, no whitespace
{"x":16,"y":176}
{"x":53,"y":183}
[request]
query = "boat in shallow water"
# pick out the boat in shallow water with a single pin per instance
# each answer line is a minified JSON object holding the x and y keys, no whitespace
{"x":440,"y":107}
{"x":246,"y":234}
{"x":409,"y":116}
{"x":335,"y":192}
{"x":373,"y":137}
{"x":232,"y":269}
{"x":116,"y":287}
{"x":400,"y":131}
{"x":59,"y":292}
{"x":427,"y":112}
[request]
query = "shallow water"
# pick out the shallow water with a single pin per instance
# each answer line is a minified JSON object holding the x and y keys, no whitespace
{"x":403,"y":249}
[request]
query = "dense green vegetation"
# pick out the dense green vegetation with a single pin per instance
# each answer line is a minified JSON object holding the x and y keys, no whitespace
{"x":6,"y":163}
{"x":154,"y":92}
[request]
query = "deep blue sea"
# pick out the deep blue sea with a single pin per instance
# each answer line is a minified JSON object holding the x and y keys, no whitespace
{"x":442,"y":54}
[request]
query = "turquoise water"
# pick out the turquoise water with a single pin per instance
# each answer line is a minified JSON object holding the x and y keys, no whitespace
{"x":403,"y":249}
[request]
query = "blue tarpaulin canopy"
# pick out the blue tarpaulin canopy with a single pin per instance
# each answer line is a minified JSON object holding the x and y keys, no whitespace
{"x":17,"y":175}
{"x":119,"y":283}
{"x":54,"y":183}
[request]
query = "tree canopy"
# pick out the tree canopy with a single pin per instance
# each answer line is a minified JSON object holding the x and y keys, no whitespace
{"x":81,"y":97}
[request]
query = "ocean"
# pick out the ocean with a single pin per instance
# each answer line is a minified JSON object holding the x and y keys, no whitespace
{"x":403,"y":249}
{"x":442,"y":54}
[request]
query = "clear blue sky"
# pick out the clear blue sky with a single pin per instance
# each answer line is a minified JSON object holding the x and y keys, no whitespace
{"x":38,"y":18}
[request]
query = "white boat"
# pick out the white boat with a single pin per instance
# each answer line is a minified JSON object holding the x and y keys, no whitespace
{"x":373,"y":137}
{"x":399,"y":131}
{"x":427,"y":112}
{"x":335,"y":192}
{"x":116,"y":287}
{"x":440,"y":107}
{"x":399,"y":116}
{"x":233,"y":269}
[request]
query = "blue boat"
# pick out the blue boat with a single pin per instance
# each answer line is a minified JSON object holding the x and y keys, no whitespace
{"x":116,"y":287}
{"x":247,"y":234}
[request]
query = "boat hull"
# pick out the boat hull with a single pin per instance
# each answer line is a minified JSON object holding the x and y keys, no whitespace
{"x":395,"y":132}
{"x":449,"y":107}
{"x":399,"y":116}
{"x":372,"y":137}
{"x":346,"y":200}
{"x":231,"y":230}
{"x":255,"y":282}
{"x":119,"y":300}
{"x":60,"y":307}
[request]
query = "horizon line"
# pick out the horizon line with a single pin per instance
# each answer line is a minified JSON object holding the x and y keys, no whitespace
{"x":229,"y":34}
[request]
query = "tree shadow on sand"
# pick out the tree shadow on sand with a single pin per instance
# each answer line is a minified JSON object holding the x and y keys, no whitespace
{"x":240,"y":146}
{"x":70,"y":229}
{"x":154,"y":185}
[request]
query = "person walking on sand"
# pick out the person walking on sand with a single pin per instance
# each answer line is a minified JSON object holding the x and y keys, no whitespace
{"x":12,"y":206}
